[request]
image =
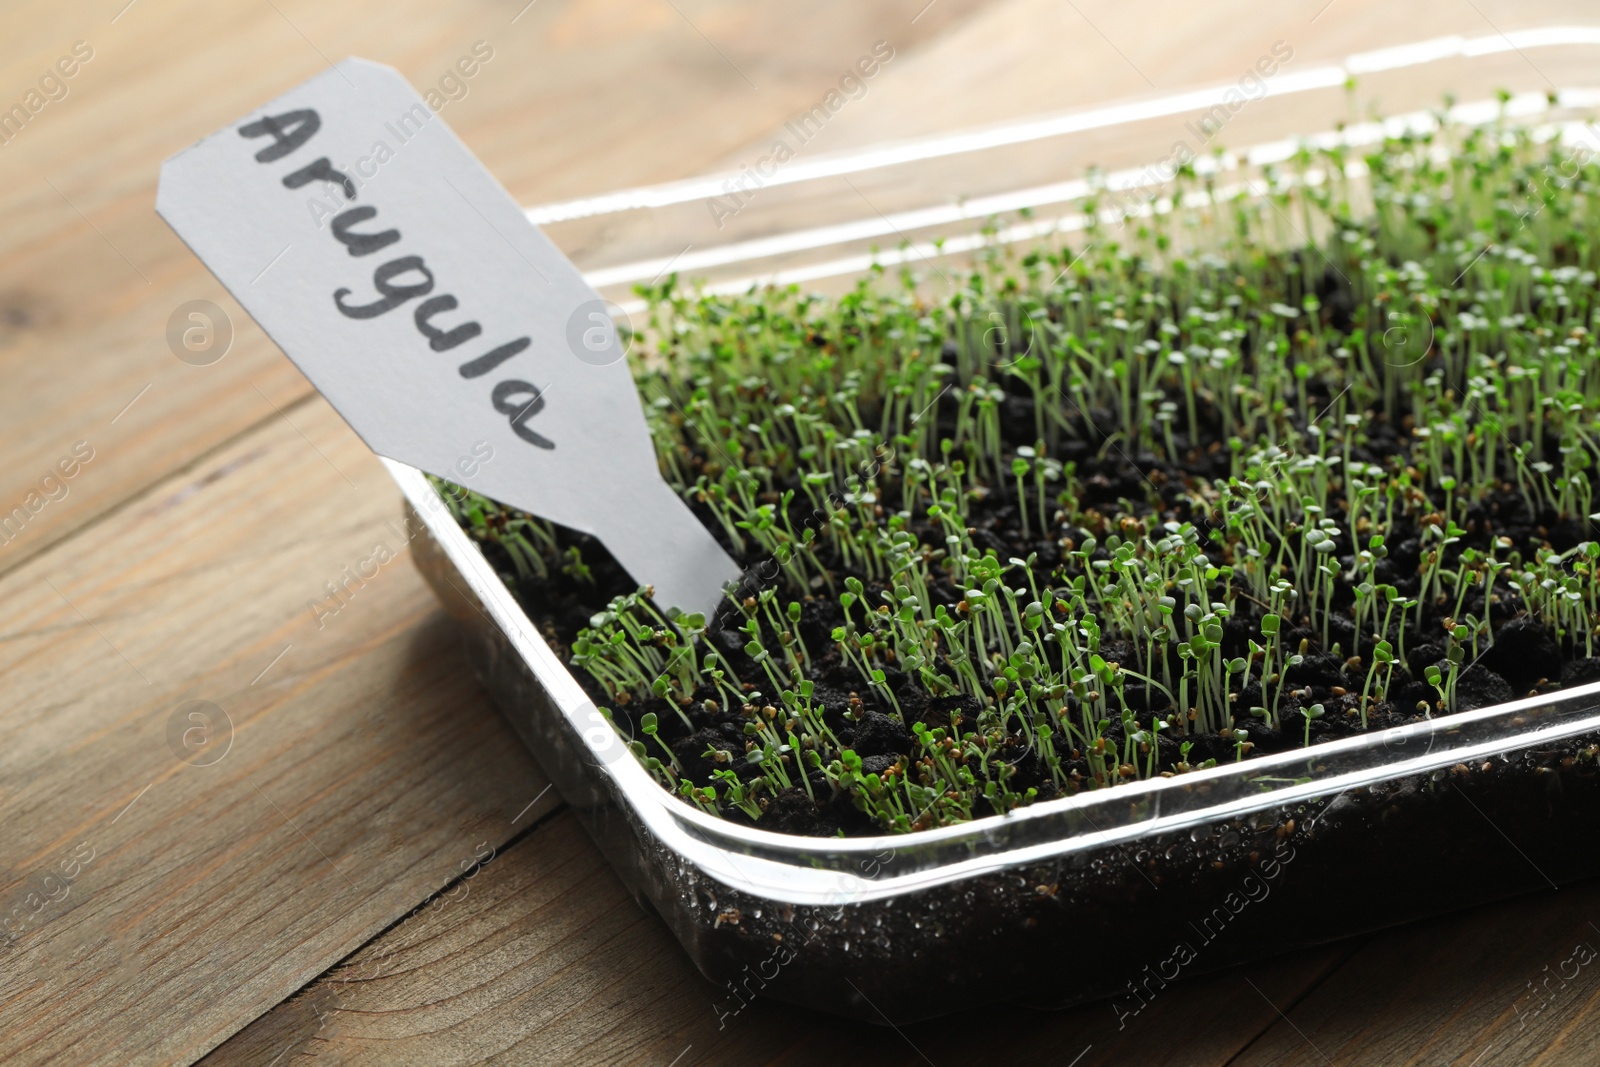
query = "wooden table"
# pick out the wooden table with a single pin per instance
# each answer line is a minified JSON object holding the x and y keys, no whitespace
{"x":353,"y":859}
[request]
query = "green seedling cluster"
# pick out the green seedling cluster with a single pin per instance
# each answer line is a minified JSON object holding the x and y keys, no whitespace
{"x":1212,"y":480}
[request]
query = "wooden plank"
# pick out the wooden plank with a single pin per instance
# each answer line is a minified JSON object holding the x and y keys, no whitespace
{"x":984,"y":72}
{"x":179,"y":564}
{"x":161,"y":890}
{"x":575,"y":99}
{"x":462,"y":993}
{"x":543,"y":957}
{"x":1024,"y":58}
{"x":1513,"y":983}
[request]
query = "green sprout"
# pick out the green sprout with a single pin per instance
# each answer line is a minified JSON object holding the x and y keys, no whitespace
{"x":1068,"y":518}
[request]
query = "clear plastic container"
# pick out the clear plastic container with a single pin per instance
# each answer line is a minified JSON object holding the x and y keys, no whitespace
{"x":816,"y":219}
{"x":1103,"y":894}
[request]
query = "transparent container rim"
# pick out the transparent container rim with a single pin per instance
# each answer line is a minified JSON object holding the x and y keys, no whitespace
{"x":801,"y":870}
{"x":1332,"y":75}
{"x":817,"y":870}
{"x":1132,"y":180}
{"x":898,"y":224}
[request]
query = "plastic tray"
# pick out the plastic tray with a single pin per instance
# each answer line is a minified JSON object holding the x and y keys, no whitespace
{"x":1104,"y":894}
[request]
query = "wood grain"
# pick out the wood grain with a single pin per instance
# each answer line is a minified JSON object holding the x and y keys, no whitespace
{"x":543,"y":957}
{"x":1517,"y":983}
{"x":303,"y":896}
{"x":356,"y":767}
{"x":1094,"y":51}
{"x":89,"y":275}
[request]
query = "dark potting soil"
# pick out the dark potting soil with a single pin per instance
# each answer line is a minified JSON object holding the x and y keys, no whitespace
{"x":1180,"y":903}
{"x":1165,"y":907}
{"x":1115,"y":492}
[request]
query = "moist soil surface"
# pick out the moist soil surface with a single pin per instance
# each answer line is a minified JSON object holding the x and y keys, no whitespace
{"x":1523,"y":659}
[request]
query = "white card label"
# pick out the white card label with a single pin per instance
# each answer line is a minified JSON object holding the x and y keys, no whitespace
{"x":399,"y":276}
